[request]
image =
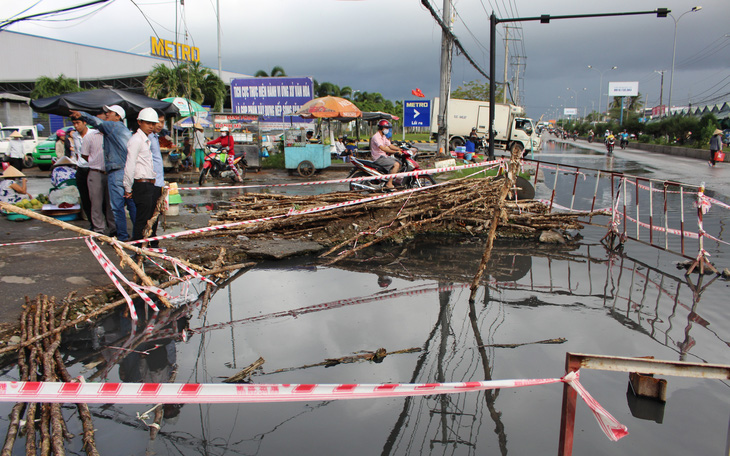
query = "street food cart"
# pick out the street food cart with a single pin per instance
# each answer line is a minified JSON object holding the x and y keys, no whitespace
{"x":306,"y":157}
{"x":303,"y":156}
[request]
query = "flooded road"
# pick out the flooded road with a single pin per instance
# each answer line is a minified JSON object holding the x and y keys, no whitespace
{"x":296,"y":314}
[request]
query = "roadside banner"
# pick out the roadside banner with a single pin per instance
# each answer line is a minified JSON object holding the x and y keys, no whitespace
{"x":274,"y":99}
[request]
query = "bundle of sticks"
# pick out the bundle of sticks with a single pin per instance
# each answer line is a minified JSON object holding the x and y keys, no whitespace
{"x":45,"y":428}
{"x":458,"y":206}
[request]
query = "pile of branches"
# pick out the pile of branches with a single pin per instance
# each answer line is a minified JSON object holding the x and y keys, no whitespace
{"x":458,"y":206}
{"x":45,"y":428}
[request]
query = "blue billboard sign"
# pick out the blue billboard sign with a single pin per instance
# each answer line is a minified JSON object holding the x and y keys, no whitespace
{"x":274,"y":99}
{"x":417,"y":113}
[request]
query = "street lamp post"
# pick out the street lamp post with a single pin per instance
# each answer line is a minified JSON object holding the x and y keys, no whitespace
{"x":600,"y":86}
{"x":674,"y":51}
{"x":544,"y":19}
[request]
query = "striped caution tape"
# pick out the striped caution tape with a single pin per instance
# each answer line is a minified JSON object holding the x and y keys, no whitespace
{"x":355,"y":179}
{"x":199,"y":393}
{"x":689,"y":234}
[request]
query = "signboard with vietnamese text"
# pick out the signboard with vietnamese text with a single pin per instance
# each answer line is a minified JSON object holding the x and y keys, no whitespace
{"x":570,"y":111}
{"x":233,"y":121}
{"x":274,"y":99}
{"x":623,"y":89}
{"x":172,"y":50}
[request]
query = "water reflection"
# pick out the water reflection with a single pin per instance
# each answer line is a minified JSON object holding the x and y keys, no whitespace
{"x":297,"y":314}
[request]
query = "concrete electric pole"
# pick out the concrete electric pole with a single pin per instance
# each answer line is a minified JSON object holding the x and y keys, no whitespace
{"x":447,"y":45}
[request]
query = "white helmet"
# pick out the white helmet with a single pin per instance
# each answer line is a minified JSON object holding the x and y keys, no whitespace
{"x":224,"y":129}
{"x":148,"y":115}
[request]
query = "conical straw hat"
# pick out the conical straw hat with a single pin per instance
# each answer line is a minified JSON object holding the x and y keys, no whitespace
{"x":12,"y":171}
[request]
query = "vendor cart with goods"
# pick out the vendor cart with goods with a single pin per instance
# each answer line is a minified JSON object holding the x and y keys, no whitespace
{"x":304,"y":155}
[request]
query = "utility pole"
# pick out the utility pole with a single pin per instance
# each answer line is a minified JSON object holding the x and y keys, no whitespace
{"x":447,"y":45}
{"x":218,"y":19}
{"x":506,"y":54}
{"x":661,"y":87}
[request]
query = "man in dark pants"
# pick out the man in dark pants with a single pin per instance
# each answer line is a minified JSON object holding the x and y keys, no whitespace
{"x":139,"y":175}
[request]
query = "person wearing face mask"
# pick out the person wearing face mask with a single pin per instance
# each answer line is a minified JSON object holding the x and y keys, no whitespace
{"x":381,"y":149}
{"x":227,"y":142}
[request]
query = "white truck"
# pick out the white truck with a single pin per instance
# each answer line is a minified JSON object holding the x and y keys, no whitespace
{"x":30,"y":140}
{"x":512,"y":129}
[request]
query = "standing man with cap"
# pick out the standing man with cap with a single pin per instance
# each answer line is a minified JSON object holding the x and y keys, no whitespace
{"x":116,"y":136}
{"x":139,"y":174}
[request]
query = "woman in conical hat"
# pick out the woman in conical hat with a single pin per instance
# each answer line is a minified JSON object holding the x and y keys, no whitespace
{"x":10,"y":190}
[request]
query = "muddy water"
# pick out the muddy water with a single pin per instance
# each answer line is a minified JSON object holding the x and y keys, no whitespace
{"x":295,"y":315}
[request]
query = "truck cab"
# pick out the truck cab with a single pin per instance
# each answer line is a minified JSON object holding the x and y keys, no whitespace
{"x":30,"y":140}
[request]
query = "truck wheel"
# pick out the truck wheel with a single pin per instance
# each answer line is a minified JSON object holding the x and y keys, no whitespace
{"x":28,"y":161}
{"x":456,"y":142}
{"x":517,"y":149}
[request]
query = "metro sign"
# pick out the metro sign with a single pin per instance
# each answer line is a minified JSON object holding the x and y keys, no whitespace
{"x":417,"y":113}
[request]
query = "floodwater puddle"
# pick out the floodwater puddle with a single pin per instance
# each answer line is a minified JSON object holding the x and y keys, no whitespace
{"x":413,"y":299}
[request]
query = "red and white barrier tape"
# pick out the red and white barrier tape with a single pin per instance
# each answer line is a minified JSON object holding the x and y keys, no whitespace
{"x":689,"y":234}
{"x":353,"y":179}
{"x":199,"y":393}
{"x":114,"y":273}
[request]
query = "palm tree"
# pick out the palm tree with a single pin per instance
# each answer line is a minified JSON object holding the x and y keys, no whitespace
{"x":276,"y":72}
{"x":189,"y":80}
{"x":48,"y":87}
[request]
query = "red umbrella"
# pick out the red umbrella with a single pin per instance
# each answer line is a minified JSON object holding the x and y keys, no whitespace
{"x":329,"y":107}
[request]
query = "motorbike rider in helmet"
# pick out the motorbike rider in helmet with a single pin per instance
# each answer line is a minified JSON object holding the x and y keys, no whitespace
{"x":381,"y":150}
{"x":227,"y":142}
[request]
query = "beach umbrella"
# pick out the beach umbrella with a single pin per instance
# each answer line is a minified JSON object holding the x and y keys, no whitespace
{"x":329,"y":108}
{"x":185,"y":106}
{"x":188,"y":122}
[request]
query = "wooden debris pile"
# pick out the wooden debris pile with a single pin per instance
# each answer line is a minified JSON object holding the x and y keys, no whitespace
{"x":45,"y":428}
{"x":459,"y":206}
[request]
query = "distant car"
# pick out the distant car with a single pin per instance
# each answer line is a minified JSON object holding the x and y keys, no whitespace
{"x":45,"y":153}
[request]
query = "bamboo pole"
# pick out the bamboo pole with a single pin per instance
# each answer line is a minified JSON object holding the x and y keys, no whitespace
{"x":84,"y":232}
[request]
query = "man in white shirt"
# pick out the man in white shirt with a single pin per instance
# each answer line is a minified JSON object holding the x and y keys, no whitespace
{"x":139,"y":175}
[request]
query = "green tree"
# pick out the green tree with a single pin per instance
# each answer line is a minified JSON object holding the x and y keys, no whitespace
{"x":276,"y":72}
{"x":188,"y":80}
{"x":49,"y":87}
{"x":475,"y":90}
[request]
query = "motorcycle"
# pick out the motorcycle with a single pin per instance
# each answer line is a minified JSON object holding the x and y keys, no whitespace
{"x":610,"y":143}
{"x":575,"y":136}
{"x":363,"y":168}
{"x":624,"y":143}
{"x":216,"y":165}
{"x":590,"y":138}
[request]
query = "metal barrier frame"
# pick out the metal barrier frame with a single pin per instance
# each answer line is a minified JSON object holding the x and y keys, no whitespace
{"x":576,"y":361}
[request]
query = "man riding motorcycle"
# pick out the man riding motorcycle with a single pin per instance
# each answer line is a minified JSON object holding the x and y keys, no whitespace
{"x":226,"y":141}
{"x":381,"y":149}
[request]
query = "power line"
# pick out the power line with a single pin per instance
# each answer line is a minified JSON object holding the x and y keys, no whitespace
{"x":448,"y":31}
{"x":8,"y":22}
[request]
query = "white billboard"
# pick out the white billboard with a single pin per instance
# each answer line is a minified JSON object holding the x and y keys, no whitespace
{"x":623,"y":89}
{"x":570,"y":111}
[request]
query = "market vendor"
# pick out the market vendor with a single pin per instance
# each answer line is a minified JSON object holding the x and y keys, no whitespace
{"x":12,"y":191}
{"x":63,"y":179}
{"x":16,"y":150}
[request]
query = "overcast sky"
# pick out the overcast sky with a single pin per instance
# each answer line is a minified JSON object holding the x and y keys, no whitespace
{"x":393,"y":46}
